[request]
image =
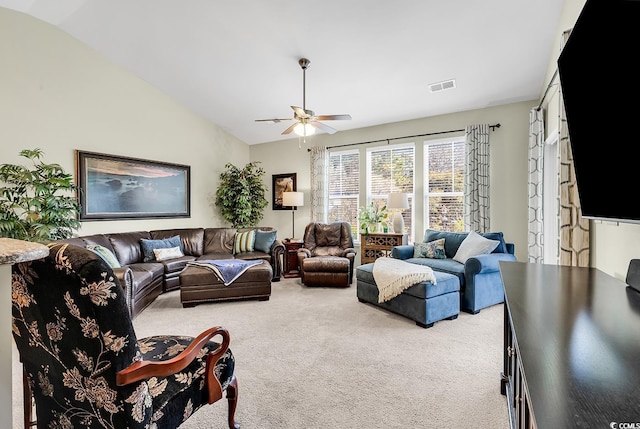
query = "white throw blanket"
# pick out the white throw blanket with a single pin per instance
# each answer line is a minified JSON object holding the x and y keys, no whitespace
{"x":393,"y":276}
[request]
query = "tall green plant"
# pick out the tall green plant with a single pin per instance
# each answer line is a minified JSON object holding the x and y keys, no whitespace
{"x":37,"y":203}
{"x":240,"y":195}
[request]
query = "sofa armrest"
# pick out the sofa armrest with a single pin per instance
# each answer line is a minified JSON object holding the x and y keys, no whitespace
{"x":404,"y":251}
{"x":349,"y":252}
{"x":125,"y":278}
{"x":486,"y":263}
{"x":277,"y":254}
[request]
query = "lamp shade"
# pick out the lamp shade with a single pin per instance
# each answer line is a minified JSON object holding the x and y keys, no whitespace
{"x":398,"y":200}
{"x":292,"y":199}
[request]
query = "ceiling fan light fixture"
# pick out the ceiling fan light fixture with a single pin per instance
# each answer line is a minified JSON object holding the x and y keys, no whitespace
{"x":304,"y":130}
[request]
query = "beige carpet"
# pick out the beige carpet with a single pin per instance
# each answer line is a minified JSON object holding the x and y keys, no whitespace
{"x":318,"y":358}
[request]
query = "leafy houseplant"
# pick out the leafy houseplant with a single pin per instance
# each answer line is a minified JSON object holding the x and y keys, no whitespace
{"x":370,"y":216}
{"x":38,"y":203}
{"x":240,"y":195}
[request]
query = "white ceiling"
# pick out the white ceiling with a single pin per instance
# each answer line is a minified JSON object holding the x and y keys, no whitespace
{"x":236,"y":61}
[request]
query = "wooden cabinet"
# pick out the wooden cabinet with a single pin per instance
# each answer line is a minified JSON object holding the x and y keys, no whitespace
{"x":374,"y":246}
{"x":290,"y":263}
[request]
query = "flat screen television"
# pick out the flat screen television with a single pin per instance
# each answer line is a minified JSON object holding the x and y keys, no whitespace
{"x":600,"y":82}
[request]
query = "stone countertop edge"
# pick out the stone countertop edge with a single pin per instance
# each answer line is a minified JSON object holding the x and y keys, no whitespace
{"x":13,"y":251}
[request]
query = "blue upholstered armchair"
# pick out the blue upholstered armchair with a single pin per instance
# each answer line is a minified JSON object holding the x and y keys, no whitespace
{"x":480,"y":281}
{"x":83,"y":363}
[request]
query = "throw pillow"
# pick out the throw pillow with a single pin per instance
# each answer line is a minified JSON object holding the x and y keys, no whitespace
{"x":264,"y":240}
{"x":474,"y":245}
{"x":244,"y":241}
{"x":167,"y":253}
{"x":106,"y":254}
{"x":149,"y":245}
{"x":433,"y":249}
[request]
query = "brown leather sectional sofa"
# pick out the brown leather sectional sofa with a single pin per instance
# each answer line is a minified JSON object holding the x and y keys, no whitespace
{"x":143,"y":282}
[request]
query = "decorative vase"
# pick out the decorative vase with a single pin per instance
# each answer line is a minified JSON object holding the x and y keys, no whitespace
{"x":373,"y":228}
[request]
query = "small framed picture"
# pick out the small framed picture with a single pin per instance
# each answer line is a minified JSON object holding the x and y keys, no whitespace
{"x":282,"y":183}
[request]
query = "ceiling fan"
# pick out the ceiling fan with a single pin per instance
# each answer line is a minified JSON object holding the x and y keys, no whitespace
{"x":306,"y":120}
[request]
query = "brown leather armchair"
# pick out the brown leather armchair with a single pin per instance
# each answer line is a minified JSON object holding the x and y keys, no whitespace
{"x":328,"y":255}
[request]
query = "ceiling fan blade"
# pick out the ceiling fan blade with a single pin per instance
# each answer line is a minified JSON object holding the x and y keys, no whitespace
{"x":274,"y":120}
{"x":290,"y":129}
{"x":326,"y":128}
{"x":301,"y":113}
{"x":332,"y":117}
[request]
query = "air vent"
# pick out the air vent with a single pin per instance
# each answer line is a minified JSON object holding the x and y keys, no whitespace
{"x":441,"y":86}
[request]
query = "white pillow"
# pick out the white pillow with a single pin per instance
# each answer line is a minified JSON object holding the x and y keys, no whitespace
{"x":473,"y":245}
{"x":167,"y":253}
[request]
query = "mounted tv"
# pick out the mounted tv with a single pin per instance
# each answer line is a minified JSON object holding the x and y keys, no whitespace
{"x":600,"y":83}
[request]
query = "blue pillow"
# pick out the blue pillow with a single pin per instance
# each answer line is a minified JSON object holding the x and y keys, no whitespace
{"x":149,"y":245}
{"x":264,"y":240}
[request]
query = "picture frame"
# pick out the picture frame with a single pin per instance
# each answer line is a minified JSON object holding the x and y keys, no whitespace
{"x":118,"y":187}
{"x":282,"y":183}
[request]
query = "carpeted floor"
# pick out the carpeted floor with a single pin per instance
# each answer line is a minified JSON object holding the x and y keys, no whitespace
{"x":318,"y":358}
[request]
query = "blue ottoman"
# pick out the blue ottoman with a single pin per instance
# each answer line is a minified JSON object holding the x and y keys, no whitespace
{"x":424,"y":302}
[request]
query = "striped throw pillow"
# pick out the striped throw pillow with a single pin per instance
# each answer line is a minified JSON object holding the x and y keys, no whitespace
{"x":106,"y":254}
{"x":244,"y":241}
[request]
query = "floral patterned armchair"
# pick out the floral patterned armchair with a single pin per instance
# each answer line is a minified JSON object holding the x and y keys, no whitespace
{"x":82,"y":360}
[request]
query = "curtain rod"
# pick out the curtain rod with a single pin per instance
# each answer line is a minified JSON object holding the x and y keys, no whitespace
{"x":405,"y":137}
{"x":546,"y":91}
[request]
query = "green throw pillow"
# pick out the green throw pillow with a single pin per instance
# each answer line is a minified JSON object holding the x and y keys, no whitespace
{"x":264,"y":240}
{"x":106,"y":254}
{"x":244,"y":241}
{"x":432,"y":249}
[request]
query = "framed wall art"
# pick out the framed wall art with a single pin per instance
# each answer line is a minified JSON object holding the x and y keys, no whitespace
{"x":282,"y":183}
{"x":116,"y":187}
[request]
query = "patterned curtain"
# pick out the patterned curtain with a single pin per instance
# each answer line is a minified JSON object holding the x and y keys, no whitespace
{"x":476,"y":181}
{"x":319,"y":183}
{"x":536,"y":165}
{"x":574,"y":231}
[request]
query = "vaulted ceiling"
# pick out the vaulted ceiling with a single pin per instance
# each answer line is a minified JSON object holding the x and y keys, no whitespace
{"x":237,"y":61}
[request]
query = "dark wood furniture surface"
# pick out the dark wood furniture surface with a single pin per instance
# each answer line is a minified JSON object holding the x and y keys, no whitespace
{"x":572,"y":347}
{"x":291,"y":267}
{"x":376,"y":245}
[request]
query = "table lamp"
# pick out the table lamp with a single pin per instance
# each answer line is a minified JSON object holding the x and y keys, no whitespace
{"x":398,"y":201}
{"x":293,"y":200}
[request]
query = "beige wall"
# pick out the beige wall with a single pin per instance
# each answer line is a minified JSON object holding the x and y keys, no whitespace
{"x":508,"y":165}
{"x":612,"y":244}
{"x":60,"y":95}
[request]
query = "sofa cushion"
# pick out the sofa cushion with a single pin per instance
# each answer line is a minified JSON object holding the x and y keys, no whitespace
{"x":453,"y":240}
{"x":244,"y":242}
{"x":218,"y":240}
{"x":149,"y":245}
{"x":264,"y":240}
{"x":327,"y":234}
{"x":126,"y":246}
{"x":192,"y":239}
{"x":433,"y":249}
{"x":474,"y":245}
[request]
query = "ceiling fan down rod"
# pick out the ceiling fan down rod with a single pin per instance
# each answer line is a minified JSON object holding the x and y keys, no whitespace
{"x":304,"y":63}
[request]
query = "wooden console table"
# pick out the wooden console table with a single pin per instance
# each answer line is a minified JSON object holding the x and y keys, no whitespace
{"x":374,"y":246}
{"x":571,"y":348}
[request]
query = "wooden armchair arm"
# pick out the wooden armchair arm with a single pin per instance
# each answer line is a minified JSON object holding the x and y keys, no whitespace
{"x":144,"y":369}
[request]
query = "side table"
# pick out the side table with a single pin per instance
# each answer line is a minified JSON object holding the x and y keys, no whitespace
{"x":375,"y":245}
{"x":291,"y":268}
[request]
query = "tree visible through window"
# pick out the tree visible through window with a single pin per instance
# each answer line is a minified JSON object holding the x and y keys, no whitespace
{"x":444,"y":165}
{"x":344,"y":188}
{"x":391,"y":169}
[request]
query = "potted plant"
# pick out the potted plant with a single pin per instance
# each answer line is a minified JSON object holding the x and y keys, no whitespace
{"x":240,"y":195}
{"x":37,"y":203}
{"x":371,"y":217}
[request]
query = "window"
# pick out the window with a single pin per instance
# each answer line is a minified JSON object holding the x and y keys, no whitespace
{"x":344,"y":188}
{"x":444,"y":165}
{"x":391,"y":169}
